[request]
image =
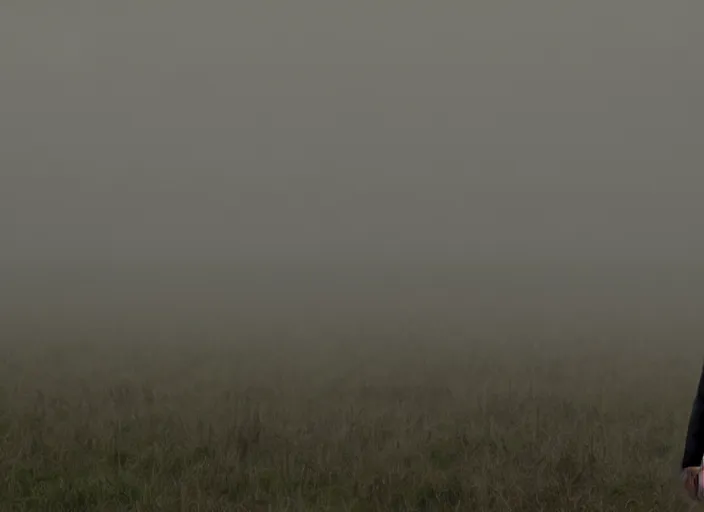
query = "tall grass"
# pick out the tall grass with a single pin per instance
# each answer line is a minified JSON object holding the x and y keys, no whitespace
{"x":342,"y":425}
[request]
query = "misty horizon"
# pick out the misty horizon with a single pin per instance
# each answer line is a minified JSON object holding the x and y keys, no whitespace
{"x":505,"y":160}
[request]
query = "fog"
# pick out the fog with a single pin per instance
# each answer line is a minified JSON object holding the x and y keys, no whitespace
{"x":484,"y":156}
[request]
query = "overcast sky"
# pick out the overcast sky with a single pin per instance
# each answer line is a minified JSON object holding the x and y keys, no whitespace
{"x":378,"y":132}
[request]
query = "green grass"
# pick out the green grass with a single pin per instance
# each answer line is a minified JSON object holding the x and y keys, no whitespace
{"x":385,"y":424}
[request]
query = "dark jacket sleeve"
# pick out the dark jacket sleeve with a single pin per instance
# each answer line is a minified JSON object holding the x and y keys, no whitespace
{"x":694,"y":443}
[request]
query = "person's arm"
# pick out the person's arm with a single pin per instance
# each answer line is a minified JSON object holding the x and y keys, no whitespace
{"x":694,"y":443}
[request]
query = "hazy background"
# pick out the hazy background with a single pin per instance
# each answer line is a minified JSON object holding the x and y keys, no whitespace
{"x":491,"y":164}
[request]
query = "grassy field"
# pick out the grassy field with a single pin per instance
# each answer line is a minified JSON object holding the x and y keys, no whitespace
{"x":353,"y":422}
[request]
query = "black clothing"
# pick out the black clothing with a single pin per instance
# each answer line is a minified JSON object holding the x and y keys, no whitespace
{"x":694,"y":443}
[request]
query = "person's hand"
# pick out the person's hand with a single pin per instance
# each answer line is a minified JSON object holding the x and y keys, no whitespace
{"x":689,"y":476}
